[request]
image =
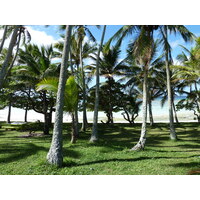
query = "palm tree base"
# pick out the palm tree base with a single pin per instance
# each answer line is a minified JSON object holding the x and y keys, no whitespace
{"x":54,"y":158}
{"x":93,"y":139}
{"x":139,"y":146}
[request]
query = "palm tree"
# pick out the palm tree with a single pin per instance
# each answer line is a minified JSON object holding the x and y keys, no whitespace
{"x":85,"y":49}
{"x":36,"y":65}
{"x":94,"y":135}
{"x":54,"y":155}
{"x":80,"y":32}
{"x":187,"y":36}
{"x":70,"y":97}
{"x":110,"y":66}
{"x":182,"y":30}
{"x":12,"y":43}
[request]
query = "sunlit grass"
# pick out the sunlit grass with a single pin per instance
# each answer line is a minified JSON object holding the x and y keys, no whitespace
{"x":111,"y":155}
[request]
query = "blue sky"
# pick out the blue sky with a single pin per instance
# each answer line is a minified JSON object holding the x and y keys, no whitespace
{"x":175,"y":41}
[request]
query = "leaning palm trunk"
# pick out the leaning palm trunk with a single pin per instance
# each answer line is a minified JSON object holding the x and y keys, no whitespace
{"x":5,"y":64}
{"x":94,"y":136}
{"x":141,"y":144}
{"x":55,"y":155}
{"x":85,"y":123}
{"x":173,"y":135}
{"x":4,"y":38}
{"x":16,"y":54}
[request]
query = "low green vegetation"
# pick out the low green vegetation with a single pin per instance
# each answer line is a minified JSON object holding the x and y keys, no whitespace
{"x":21,"y":153}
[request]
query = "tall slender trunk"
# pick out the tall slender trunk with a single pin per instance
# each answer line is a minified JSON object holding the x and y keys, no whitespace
{"x":76,"y":110}
{"x":9,"y":111}
{"x":173,"y":135}
{"x":55,"y":155}
{"x":74,"y":133}
{"x":16,"y":53}
{"x":85,"y":123}
{"x":5,"y":64}
{"x":4,"y":38}
{"x":150,"y":112}
{"x":26,"y":110}
{"x":94,"y":136}
{"x":141,"y":143}
{"x":46,"y":115}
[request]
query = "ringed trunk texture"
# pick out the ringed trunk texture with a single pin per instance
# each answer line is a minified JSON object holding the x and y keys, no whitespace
{"x":5,"y":64}
{"x":94,"y":136}
{"x":173,"y":135}
{"x":141,"y":144}
{"x":55,"y":155}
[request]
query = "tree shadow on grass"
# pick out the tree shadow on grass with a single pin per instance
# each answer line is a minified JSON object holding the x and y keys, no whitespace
{"x":73,"y":164}
{"x":16,"y":153}
{"x":194,"y":165}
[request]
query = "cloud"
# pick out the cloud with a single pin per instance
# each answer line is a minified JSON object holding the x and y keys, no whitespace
{"x":40,"y":37}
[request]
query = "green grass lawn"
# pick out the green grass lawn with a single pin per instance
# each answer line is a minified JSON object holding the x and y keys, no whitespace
{"x":111,"y":155}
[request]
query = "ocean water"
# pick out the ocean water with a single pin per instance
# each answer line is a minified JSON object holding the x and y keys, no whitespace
{"x":160,"y":114}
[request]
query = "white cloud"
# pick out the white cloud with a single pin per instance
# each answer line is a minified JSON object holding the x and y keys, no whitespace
{"x":41,"y":37}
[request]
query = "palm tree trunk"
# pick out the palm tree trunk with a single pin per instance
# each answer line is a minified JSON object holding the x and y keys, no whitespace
{"x":94,"y":136}
{"x":4,"y":38}
{"x":173,"y":135}
{"x":175,"y":114}
{"x":55,"y":155}
{"x":26,"y":111}
{"x":85,"y":123}
{"x":16,"y":53}
{"x":74,"y":133}
{"x":150,"y":113}
{"x":9,"y":111}
{"x":26,"y":114}
{"x":76,"y":110}
{"x":9,"y":54}
{"x":141,"y":144}
{"x":46,"y":116}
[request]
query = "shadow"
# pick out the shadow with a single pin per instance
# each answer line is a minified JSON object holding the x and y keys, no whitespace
{"x":73,"y":164}
{"x":187,"y":165}
{"x":71,"y":153}
{"x":16,"y":153}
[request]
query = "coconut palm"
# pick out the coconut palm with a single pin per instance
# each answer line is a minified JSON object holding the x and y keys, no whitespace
{"x":36,"y":65}
{"x":70,"y":97}
{"x":94,"y":135}
{"x":55,"y":156}
{"x":163,"y":30}
{"x":5,"y":65}
{"x":78,"y":68}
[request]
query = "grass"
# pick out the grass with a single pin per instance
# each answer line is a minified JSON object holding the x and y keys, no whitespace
{"x":111,"y":155}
